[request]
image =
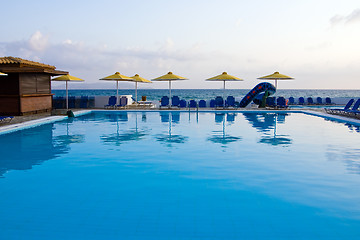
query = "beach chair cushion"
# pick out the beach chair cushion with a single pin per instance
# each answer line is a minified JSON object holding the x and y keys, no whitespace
{"x":175,"y":101}
{"x":192,"y":103}
{"x":84,"y":101}
{"x":291,"y":100}
{"x":111,"y":102}
{"x":202,"y":104}
{"x":328,"y":100}
{"x":182,"y":103}
{"x":319,"y":100}
{"x":230,"y":101}
{"x":164,"y":101}
{"x":310,"y":100}
{"x":219,"y":102}
{"x":301,"y":100}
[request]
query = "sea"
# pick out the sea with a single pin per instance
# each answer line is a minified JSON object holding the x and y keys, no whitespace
{"x":207,"y":94}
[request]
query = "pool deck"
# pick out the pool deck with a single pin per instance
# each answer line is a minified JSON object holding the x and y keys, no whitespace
{"x":22,"y":122}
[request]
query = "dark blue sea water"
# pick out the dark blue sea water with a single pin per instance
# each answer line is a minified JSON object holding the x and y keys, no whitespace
{"x":206,"y":94}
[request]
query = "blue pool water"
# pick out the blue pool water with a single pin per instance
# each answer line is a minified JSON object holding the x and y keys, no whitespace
{"x":181,"y":175}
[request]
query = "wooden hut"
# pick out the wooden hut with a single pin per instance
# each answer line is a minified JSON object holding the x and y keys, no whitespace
{"x":27,"y":87}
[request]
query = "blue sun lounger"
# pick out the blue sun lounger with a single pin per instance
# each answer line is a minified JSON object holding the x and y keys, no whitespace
{"x":182,"y":103}
{"x":301,"y":101}
{"x":202,"y":104}
{"x":354,"y":110}
{"x":310,"y":100}
{"x":339,"y":110}
{"x":319,"y":101}
{"x":328,"y":101}
{"x":164,"y":102}
{"x":175,"y":101}
{"x":111,"y":102}
{"x":291,"y":100}
{"x":230,"y":101}
{"x":5,"y":119}
{"x":192,"y":104}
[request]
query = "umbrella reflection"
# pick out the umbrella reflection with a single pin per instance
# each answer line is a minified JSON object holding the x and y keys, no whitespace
{"x":67,"y":138}
{"x":169,"y":138}
{"x":123,"y":136}
{"x":221,"y":136}
{"x":267,"y":122}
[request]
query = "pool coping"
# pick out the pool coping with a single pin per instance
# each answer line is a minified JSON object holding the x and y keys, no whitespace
{"x":38,"y":122}
{"x":46,"y":120}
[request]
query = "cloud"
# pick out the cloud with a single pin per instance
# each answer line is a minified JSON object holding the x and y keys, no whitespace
{"x":353,"y":17}
{"x":38,"y":42}
{"x":93,"y":62}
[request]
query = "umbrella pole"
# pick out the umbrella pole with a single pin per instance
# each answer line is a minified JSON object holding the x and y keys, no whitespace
{"x":136,"y":92}
{"x":117,"y":90}
{"x":224,"y":91}
{"x":170,"y":93}
{"x":276,"y":83}
{"x":67,"y":98}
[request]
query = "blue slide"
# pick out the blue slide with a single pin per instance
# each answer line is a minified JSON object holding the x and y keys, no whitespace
{"x":257,"y":92}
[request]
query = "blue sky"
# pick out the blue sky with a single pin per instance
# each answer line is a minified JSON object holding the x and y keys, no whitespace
{"x":316,"y":42}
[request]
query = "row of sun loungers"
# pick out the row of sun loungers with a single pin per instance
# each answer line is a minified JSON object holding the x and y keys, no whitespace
{"x":347,"y":110}
{"x":218,"y":102}
{"x":310,"y":101}
{"x":83,"y":102}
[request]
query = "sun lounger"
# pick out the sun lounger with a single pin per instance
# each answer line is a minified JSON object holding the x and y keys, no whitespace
{"x":182,"y":103}
{"x":219,"y":102}
{"x":339,"y":110}
{"x":328,"y":101}
{"x":123,"y":102}
{"x":281,"y":102}
{"x":192,"y":104}
{"x":59,"y":102}
{"x":230,"y":101}
{"x":84,"y":100}
{"x":310,"y":101}
{"x":71,"y":102}
{"x":175,"y":101}
{"x":319,"y":101}
{"x":291,"y":101}
{"x":354,"y":110}
{"x":6,"y":119}
{"x":111,"y":103}
{"x":301,"y":101}
{"x":164,"y":102}
{"x":270,"y":102}
{"x":202,"y":104}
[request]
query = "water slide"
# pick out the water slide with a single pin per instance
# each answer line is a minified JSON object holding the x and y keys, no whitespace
{"x":258,"y":93}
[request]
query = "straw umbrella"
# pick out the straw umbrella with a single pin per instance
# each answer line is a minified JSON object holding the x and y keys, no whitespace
{"x":169,"y":77}
{"x":276,"y":76}
{"x":137,"y":79}
{"x":117,"y":77}
{"x":225,"y":78}
{"x":67,"y":78}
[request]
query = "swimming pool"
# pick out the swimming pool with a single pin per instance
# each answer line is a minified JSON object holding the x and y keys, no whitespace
{"x":181,"y":175}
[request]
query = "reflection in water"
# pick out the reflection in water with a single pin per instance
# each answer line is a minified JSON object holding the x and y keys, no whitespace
{"x":169,"y":138}
{"x":67,"y":138}
{"x":221,"y":136}
{"x":23,"y":149}
{"x":125,"y":136}
{"x":349,"y":156}
{"x":266,"y":122}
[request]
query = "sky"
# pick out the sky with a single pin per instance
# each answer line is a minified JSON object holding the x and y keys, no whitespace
{"x":316,"y":42}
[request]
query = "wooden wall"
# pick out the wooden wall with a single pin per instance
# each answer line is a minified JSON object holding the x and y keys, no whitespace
{"x":25,"y":93}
